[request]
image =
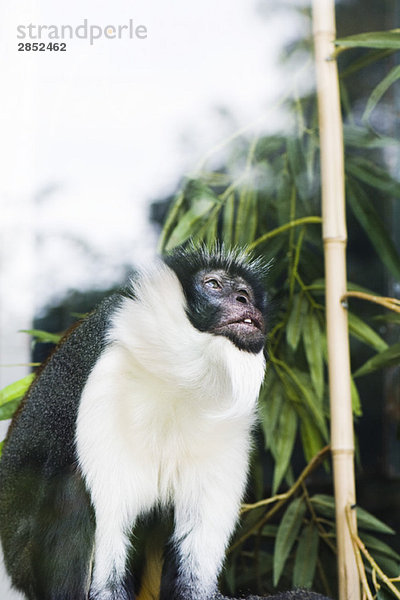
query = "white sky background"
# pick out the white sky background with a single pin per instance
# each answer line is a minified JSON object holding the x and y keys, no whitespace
{"x":111,"y":126}
{"x":88,"y":137}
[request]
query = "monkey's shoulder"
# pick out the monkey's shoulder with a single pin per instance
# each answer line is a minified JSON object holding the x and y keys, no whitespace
{"x":50,"y":406}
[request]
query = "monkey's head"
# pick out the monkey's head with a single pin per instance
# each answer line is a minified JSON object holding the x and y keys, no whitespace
{"x":224,"y":294}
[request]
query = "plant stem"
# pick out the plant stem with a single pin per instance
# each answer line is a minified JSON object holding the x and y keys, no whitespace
{"x":335,"y":239}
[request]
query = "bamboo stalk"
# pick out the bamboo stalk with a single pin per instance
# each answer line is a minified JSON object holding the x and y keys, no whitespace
{"x":335,"y":240}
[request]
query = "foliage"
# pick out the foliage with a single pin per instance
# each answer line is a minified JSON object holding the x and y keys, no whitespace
{"x":267,"y":196}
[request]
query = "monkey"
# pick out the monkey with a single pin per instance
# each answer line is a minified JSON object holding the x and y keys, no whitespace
{"x":143,"y":411}
{"x":140,"y":420}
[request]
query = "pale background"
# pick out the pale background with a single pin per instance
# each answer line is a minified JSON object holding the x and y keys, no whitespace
{"x":90,"y":136}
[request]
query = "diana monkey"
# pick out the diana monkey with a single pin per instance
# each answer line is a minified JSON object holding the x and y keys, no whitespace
{"x":144,"y":410}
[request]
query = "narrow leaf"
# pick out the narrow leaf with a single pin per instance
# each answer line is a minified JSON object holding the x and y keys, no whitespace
{"x":201,"y":201}
{"x":284,"y":445}
{"x":313,"y":346}
{"x":311,"y":438}
{"x":390,"y":567}
{"x":7,"y":410}
{"x":43,"y":336}
{"x":355,"y":399}
{"x":365,"y":60}
{"x":297,"y":165}
{"x":269,"y":530}
{"x":270,"y":408}
{"x":373,"y":175}
{"x":361,"y":137}
{"x":16,"y":390}
{"x":325,"y":505}
{"x":306,"y":557}
{"x":296,"y":320}
{"x":284,"y":193}
{"x":369,"y":219}
{"x":246,"y":217}
{"x":373,"y":39}
{"x":310,"y":400}
{"x":387,"y":358}
{"x":381,"y":88}
{"x":229,"y":212}
{"x":172,"y":218}
{"x":378,"y":546}
{"x":211,"y":229}
{"x":359,"y":329}
{"x":367,"y":521}
{"x":287,"y":534}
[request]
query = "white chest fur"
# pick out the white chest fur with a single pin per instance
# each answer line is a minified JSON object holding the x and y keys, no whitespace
{"x":164,"y":406}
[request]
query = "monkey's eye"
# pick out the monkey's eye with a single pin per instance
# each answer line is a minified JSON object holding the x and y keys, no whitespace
{"x":213,"y":283}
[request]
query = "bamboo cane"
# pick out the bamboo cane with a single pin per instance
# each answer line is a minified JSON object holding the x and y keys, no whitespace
{"x":335,"y":239}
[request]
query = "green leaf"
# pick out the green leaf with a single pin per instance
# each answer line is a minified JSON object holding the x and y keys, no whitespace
{"x":381,"y":88}
{"x":310,"y":400}
{"x":284,"y":445}
{"x":313,"y":346}
{"x":210,"y":233}
{"x":287,"y":534}
{"x":246,"y":217}
{"x":367,"y":521}
{"x":7,"y":410}
{"x":296,"y":320}
{"x":172,"y":218}
{"x":387,"y":358}
{"x":295,"y":153}
{"x":359,"y":329}
{"x":383,"y":593}
{"x":284,"y":193}
{"x":227,"y":228}
{"x":388,"y":318}
{"x":378,"y":547}
{"x":325,"y":505}
{"x":43,"y":336}
{"x":370,"y":221}
{"x":373,"y":39}
{"x":270,"y":408}
{"x":365,"y":60}
{"x":306,"y":557}
{"x":1,"y":447}
{"x":269,"y":530}
{"x":372,"y":175}
{"x":201,"y":202}
{"x":16,"y":390}
{"x":360,"y":137}
{"x":355,"y":399}
{"x":390,"y":567}
{"x":311,"y":438}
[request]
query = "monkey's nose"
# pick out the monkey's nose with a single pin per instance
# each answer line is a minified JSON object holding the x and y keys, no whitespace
{"x":242,"y":299}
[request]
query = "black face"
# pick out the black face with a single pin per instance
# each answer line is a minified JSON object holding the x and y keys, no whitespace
{"x":224,"y":295}
{"x":228,"y":308}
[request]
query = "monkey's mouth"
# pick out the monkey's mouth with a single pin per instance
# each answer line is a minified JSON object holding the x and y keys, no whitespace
{"x":247,"y":321}
{"x":246,"y":329}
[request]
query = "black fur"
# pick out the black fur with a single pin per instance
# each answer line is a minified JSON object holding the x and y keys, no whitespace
{"x":46,"y":520}
{"x":205,"y":309}
{"x":47,"y":523}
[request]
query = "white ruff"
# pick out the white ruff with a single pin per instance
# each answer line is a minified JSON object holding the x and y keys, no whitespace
{"x":165,"y":417}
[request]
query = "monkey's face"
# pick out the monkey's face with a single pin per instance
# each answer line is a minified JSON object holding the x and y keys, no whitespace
{"x":226,"y":304}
